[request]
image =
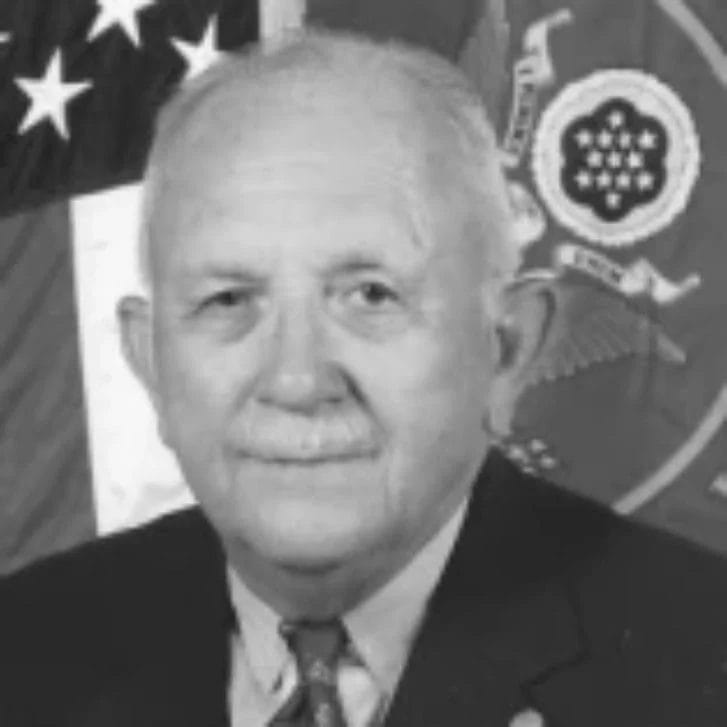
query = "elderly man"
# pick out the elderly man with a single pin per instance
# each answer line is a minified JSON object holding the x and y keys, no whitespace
{"x":331,"y":347}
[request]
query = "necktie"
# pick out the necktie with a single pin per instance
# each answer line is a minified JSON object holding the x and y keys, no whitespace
{"x":317,"y":648}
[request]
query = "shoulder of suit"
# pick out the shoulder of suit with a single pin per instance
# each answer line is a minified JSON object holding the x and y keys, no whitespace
{"x":166,"y":545}
{"x":638,"y":588}
{"x":577,"y":524}
{"x":598,"y":549}
{"x":99,"y":606}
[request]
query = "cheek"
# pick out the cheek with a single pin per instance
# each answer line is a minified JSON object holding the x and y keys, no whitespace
{"x":433,"y":408}
{"x":198,"y":388}
{"x":432,"y":385}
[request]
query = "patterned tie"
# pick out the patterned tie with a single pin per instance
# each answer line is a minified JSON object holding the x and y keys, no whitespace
{"x":317,"y":647}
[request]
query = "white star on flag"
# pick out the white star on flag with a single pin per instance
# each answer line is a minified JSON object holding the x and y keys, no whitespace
{"x":122,"y":13}
{"x":200,"y":56}
{"x":49,"y":96}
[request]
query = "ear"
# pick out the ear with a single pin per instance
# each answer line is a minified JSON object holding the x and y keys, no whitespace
{"x":135,"y":323}
{"x":520,"y":332}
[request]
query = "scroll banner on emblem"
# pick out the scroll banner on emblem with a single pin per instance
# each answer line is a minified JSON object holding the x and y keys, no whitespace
{"x":612,"y":135}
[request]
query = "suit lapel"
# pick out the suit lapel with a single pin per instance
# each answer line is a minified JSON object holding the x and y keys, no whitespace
{"x":180,"y":659}
{"x":161,"y":695}
{"x":500,"y":619}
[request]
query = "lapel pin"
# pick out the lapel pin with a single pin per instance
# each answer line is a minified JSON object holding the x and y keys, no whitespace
{"x":528,"y":718}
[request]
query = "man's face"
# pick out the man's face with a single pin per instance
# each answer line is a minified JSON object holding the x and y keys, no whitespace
{"x":320,"y":369}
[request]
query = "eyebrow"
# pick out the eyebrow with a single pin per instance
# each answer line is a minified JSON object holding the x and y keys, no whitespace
{"x":356,"y":262}
{"x":220,"y":272}
{"x":364,"y":257}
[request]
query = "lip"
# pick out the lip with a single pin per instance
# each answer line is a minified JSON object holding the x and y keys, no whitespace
{"x":308,"y":463}
{"x":297,"y":459}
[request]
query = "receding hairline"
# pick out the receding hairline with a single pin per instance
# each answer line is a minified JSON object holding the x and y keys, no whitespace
{"x":312,"y":72}
{"x":313,"y":69}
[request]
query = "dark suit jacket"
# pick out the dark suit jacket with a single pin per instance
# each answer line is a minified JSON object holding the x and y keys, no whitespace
{"x":547,"y":601}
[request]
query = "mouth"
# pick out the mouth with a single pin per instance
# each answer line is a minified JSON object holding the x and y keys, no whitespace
{"x":295,"y":457}
{"x":309,"y":464}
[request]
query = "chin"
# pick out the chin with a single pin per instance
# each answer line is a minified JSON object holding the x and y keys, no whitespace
{"x":305,"y":518}
{"x":307,"y":563}
{"x":310,"y":538}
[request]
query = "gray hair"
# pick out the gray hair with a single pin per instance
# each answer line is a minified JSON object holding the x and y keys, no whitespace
{"x":311,"y":70}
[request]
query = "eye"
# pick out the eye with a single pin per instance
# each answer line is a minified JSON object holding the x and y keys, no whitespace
{"x":229,"y":298}
{"x":230,"y":311}
{"x":373,"y":294}
{"x":373,"y":305}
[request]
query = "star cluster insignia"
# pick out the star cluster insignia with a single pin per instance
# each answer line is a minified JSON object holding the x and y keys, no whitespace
{"x":533,"y":456}
{"x":614,"y":159}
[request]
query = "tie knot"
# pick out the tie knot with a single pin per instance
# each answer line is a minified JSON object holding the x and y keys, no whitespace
{"x":317,"y":646}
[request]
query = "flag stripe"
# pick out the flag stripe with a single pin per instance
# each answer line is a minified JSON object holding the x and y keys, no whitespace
{"x":134,"y":476}
{"x":44,"y":476}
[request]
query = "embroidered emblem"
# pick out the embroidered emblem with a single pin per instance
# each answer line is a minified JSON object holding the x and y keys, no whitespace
{"x":596,"y":164}
{"x":639,"y":279}
{"x":533,"y":72}
{"x":615,"y":157}
{"x":529,"y":221}
{"x":589,"y":325}
{"x":533,"y":457}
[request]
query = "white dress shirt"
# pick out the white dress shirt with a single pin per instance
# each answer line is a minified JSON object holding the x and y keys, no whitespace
{"x":381,"y":631}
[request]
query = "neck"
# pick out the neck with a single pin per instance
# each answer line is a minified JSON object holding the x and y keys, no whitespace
{"x":319,"y":592}
{"x":313,"y":593}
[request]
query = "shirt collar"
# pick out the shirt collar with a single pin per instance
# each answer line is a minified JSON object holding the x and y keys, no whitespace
{"x":382,"y":628}
{"x":265,"y":650}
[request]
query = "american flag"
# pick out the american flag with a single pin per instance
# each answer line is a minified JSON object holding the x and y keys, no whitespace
{"x":80,"y":81}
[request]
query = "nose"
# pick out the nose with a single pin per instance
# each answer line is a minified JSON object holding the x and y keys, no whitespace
{"x":299,"y":373}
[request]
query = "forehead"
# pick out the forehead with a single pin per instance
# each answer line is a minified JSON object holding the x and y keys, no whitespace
{"x":246,"y":211}
{"x":317,"y":213}
{"x":329,"y":159}
{"x":319,"y":122}
{"x":316,"y":172}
